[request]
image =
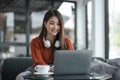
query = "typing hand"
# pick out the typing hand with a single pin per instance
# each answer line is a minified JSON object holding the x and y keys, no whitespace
{"x":51,"y":69}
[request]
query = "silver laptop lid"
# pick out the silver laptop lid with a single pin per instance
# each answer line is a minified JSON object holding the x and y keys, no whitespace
{"x":72,"y":62}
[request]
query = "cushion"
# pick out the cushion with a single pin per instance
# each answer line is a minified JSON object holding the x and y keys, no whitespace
{"x":115,"y":62}
{"x":100,"y":67}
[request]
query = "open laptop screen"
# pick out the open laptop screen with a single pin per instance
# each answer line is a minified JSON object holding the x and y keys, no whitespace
{"x":72,"y":62}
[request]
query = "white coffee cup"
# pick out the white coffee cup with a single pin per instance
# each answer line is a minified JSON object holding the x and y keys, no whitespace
{"x":42,"y":69}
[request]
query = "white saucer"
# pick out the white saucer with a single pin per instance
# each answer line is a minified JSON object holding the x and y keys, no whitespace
{"x":37,"y":73}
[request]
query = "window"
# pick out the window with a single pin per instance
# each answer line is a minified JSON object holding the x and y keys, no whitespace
{"x":114,"y":28}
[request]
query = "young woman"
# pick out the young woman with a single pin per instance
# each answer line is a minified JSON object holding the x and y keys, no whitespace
{"x":50,"y":39}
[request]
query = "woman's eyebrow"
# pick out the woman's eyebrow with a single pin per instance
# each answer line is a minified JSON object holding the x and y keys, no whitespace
{"x":52,"y":21}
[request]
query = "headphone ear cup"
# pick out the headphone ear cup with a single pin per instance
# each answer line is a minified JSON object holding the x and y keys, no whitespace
{"x":57,"y":44}
{"x":47,"y":43}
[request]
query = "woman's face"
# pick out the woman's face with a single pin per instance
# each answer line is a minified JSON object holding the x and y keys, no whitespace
{"x":52,"y":26}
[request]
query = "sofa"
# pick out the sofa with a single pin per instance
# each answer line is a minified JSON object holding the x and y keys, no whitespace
{"x":11,"y":67}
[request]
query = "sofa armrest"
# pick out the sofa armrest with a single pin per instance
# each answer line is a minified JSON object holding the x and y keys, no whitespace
{"x":0,"y":71}
{"x":11,"y":67}
{"x":0,"y":76}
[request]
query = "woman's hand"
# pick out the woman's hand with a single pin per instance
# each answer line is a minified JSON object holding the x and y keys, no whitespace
{"x":51,"y":68}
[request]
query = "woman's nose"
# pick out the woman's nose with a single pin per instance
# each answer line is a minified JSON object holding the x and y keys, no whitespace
{"x":55,"y":26}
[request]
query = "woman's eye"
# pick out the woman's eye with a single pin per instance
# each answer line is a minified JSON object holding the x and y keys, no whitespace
{"x":58,"y":24}
{"x":51,"y":23}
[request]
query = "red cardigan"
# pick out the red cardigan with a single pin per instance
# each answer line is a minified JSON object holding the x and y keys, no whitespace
{"x":41,"y":54}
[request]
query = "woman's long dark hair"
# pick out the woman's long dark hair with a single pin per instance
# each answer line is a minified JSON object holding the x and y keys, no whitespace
{"x":60,"y":35}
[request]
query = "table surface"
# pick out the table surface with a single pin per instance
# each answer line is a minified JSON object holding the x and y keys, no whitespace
{"x":56,"y":77}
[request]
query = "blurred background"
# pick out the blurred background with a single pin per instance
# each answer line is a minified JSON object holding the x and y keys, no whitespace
{"x":91,"y":24}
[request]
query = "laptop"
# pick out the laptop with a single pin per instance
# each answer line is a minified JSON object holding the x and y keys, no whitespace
{"x":72,"y":62}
